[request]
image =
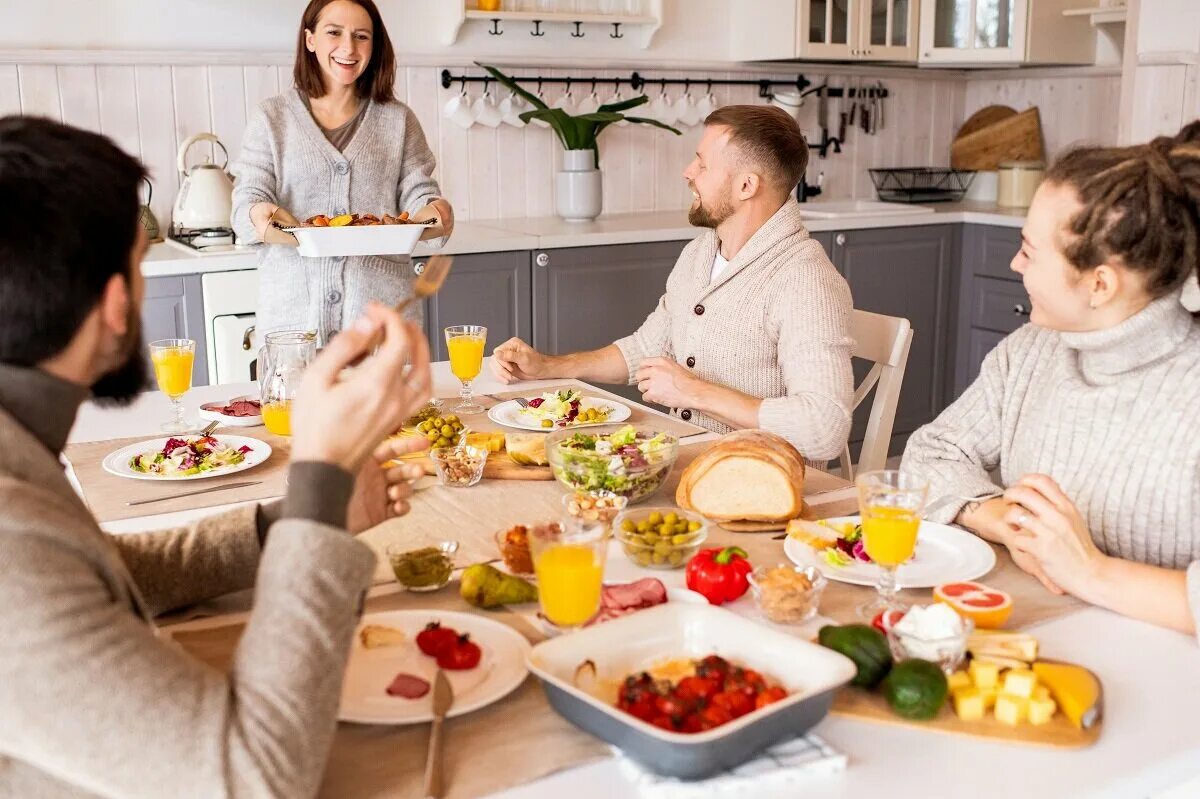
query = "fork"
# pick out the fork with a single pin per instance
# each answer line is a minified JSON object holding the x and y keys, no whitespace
{"x":524,"y":403}
{"x":430,"y":280}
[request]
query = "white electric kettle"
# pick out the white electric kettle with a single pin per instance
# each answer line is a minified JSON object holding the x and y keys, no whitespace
{"x":205,"y":198}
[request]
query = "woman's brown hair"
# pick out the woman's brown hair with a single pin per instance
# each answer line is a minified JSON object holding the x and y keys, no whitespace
{"x":1141,"y":207}
{"x":378,"y":78}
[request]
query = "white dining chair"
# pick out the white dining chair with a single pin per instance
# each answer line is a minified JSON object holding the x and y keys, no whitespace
{"x":885,"y":341}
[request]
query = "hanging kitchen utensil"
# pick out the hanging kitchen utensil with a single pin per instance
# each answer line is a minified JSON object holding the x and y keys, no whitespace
{"x":823,"y":117}
{"x":146,"y":216}
{"x":879,"y":107}
{"x":842,"y":113}
{"x":205,"y":198}
{"x":854,"y":88}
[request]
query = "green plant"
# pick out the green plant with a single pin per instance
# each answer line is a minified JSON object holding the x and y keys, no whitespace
{"x":578,"y":132}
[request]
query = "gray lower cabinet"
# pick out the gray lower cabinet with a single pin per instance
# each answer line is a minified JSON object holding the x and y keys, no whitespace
{"x":991,"y":299}
{"x":905,"y":272}
{"x":489,"y":289}
{"x":174,"y":308}
{"x":585,"y":298}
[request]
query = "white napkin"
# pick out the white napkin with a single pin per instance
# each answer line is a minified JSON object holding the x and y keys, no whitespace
{"x":788,"y":763}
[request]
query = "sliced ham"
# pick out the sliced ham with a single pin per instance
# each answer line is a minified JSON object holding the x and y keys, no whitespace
{"x":620,"y":600}
{"x":408,"y":686}
{"x":240,"y":408}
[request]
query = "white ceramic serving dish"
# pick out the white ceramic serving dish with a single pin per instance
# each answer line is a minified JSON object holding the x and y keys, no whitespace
{"x":679,"y":630}
{"x":329,"y":242}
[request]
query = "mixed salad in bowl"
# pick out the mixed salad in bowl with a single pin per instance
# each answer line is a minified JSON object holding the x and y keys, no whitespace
{"x":563,"y":409}
{"x":185,"y":456}
{"x":629,"y":460}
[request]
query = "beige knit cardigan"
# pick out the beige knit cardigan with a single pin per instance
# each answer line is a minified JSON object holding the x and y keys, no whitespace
{"x":775,"y":324}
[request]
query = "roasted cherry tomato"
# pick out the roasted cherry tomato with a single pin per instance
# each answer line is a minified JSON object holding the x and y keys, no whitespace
{"x":461,"y":655}
{"x":773,"y":694}
{"x":692,"y":688}
{"x":434,"y":638}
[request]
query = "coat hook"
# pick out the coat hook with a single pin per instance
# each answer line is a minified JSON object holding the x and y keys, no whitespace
{"x":495,"y":31}
{"x":616,"y":34}
{"x":577,"y":33}
{"x":537,"y":28}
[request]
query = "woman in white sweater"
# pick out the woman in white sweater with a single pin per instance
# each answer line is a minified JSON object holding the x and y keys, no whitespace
{"x":1090,"y":413}
{"x":337,"y":142}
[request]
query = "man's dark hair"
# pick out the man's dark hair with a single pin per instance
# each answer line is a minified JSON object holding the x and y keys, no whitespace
{"x":769,"y":138}
{"x":69,"y":201}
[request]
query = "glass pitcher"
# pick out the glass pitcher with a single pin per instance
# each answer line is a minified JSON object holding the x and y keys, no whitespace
{"x":281,"y":363}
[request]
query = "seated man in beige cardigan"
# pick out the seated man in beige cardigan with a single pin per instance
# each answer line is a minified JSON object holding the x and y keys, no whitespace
{"x":753,"y":330}
{"x":92,"y":701}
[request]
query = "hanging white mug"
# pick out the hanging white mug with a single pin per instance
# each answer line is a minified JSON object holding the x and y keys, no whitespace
{"x":541,"y":123}
{"x":485,"y":111}
{"x":565,"y":103}
{"x":685,"y":110}
{"x":459,"y":111}
{"x":512,"y":107}
{"x":589,"y":104}
{"x":705,"y":106}
{"x":662,"y":109}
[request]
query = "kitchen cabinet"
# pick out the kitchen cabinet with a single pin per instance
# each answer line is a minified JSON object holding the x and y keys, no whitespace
{"x":585,"y":298}
{"x":905,"y":272}
{"x":173,"y":308}
{"x":987,"y":32}
{"x":489,"y":289}
{"x":842,"y":30}
{"x":992,"y":301}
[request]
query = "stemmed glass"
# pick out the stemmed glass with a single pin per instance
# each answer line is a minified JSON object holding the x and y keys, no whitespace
{"x":465,"y":344}
{"x":173,"y":359}
{"x":891,"y":503}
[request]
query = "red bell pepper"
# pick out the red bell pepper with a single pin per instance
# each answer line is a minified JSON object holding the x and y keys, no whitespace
{"x":719,"y":575}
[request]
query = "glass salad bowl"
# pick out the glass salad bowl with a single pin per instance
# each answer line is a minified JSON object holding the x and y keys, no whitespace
{"x":632,"y":461}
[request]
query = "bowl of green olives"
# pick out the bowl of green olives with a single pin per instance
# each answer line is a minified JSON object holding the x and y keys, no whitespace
{"x":660,"y":538}
{"x":442,"y":431}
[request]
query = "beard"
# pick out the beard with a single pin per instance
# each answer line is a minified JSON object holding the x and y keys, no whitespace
{"x":121,"y":385}
{"x":702,"y":215}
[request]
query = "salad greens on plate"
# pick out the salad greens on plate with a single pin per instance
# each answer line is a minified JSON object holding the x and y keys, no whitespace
{"x":563,"y":408}
{"x":186,"y":456}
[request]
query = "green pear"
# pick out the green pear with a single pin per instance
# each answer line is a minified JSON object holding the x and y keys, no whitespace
{"x":487,"y":587}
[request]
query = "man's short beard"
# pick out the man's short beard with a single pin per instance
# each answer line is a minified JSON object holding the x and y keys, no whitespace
{"x":699,"y":216}
{"x":122,"y":385}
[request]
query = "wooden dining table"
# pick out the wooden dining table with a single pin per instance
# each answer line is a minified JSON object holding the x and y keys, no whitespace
{"x":518,"y":747}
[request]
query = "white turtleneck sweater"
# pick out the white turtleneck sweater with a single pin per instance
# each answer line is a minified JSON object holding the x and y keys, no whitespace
{"x":1112,"y":415}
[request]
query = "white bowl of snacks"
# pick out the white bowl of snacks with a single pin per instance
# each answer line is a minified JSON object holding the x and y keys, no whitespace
{"x":929,"y":632}
{"x":599,"y":507}
{"x":787,"y":594}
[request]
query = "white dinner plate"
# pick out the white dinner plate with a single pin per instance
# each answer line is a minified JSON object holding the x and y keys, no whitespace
{"x":118,"y":462}
{"x":364,"y":690}
{"x":944,"y":555}
{"x":509,"y":414}
{"x":230,"y":421}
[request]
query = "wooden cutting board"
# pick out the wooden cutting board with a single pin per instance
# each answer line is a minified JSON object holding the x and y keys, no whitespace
{"x":857,"y":703}
{"x":1016,"y":137}
{"x":988,"y":115}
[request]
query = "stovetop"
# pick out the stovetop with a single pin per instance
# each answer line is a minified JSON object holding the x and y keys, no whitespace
{"x":206,"y":241}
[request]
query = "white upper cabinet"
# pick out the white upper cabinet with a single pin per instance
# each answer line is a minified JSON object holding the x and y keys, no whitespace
{"x":826,"y":30}
{"x":986,"y":32}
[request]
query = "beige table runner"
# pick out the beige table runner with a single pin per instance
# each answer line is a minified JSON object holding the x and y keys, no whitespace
{"x":108,"y":495}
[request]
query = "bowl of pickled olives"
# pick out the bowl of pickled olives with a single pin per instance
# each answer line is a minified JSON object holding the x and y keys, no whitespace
{"x":442,"y":431}
{"x":660,"y":538}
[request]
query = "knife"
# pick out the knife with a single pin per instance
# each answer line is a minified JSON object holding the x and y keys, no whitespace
{"x":194,"y":493}
{"x":823,"y":117}
{"x":443,"y":698}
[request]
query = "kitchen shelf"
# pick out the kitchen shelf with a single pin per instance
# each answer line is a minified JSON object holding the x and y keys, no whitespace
{"x":527,"y":27}
{"x":558,"y":16}
{"x":1100,"y":15}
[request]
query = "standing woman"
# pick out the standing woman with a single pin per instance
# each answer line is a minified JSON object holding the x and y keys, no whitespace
{"x":337,"y":142}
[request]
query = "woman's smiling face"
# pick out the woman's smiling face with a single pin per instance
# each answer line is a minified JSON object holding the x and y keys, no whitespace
{"x":341,"y":42}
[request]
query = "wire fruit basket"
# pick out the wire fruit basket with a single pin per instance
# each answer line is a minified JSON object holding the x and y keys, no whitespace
{"x":921,"y":184}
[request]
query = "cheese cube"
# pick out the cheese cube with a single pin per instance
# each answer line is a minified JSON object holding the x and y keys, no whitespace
{"x":1020,"y":682}
{"x":983,"y":675}
{"x":1041,"y":692}
{"x":1041,"y":710}
{"x":989,"y":696}
{"x":959,"y":679}
{"x":1011,"y":710}
{"x":968,"y":704}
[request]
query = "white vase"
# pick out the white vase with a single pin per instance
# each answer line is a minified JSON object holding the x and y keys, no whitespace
{"x":578,"y":196}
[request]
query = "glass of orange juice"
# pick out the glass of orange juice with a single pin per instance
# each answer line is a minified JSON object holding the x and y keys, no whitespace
{"x":173,"y":359}
{"x":569,"y":565}
{"x":465,"y":345}
{"x":281,"y":365}
{"x":891,"y":503}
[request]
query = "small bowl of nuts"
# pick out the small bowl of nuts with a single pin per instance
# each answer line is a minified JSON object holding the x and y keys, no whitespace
{"x":460,"y":466}
{"x":599,"y":507}
{"x":787,"y":594}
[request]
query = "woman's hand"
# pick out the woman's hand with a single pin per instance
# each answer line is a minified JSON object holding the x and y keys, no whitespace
{"x":1052,"y":532}
{"x":382,"y":491}
{"x":989,"y":520}
{"x":441,"y":214}
{"x":341,"y":419}
{"x":260,"y":217}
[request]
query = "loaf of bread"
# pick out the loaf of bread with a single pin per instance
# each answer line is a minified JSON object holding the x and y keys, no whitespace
{"x":750,"y":475}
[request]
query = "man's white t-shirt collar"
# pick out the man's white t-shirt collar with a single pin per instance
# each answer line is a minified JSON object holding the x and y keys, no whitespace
{"x":719,"y":264}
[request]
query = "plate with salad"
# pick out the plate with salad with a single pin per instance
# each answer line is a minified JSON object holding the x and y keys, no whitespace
{"x":187,"y":457}
{"x":558,"y":410}
{"x":944,"y":554}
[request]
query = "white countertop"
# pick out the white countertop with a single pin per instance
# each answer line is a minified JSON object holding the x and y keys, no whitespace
{"x":1150,"y":746}
{"x":551,"y":232}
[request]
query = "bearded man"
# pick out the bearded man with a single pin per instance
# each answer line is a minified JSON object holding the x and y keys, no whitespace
{"x":753,"y":330}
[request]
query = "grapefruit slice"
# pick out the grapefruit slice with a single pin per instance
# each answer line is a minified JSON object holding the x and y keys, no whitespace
{"x":987,"y":607}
